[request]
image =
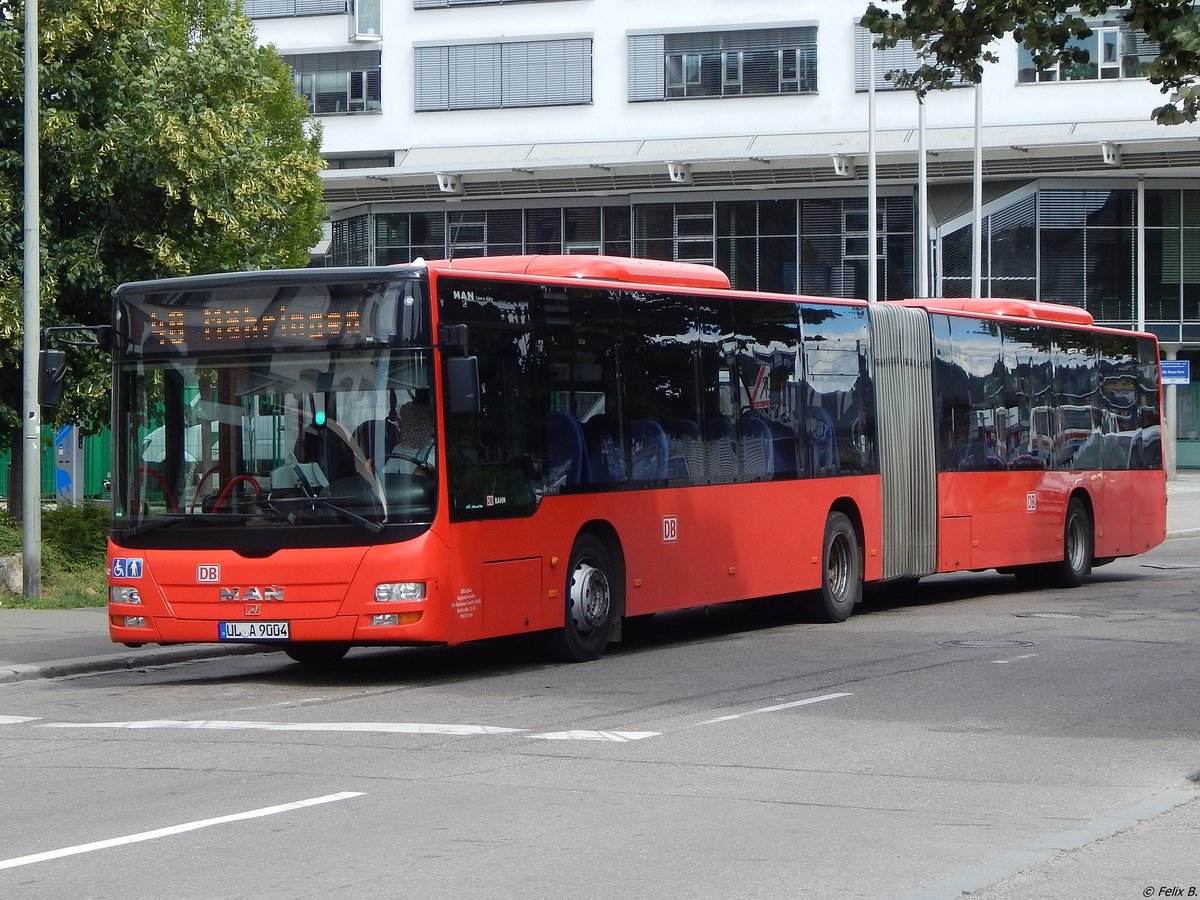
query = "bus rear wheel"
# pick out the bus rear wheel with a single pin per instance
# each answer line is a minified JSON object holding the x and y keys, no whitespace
{"x":590,"y":603}
{"x":1078,"y":548}
{"x":841,"y":570}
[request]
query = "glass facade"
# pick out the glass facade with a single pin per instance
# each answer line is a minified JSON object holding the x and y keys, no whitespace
{"x":806,"y":245}
{"x":1079,"y":246}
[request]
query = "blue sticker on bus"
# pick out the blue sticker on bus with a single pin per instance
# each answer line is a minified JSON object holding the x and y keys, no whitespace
{"x":126,"y":567}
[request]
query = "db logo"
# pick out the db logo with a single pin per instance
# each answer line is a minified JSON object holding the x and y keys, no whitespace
{"x":1031,"y":502}
{"x":208,"y":574}
{"x":670,"y":526}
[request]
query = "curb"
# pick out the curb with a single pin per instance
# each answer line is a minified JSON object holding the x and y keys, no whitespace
{"x":1183,"y":533}
{"x":89,"y":665}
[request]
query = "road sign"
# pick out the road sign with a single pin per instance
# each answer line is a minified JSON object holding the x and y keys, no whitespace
{"x":1176,"y":371}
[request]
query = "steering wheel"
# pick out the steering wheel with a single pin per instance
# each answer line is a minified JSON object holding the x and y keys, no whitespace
{"x":229,"y":487}
{"x":419,"y":459}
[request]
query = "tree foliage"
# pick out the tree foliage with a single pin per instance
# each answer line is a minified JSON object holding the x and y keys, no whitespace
{"x":956,"y":37}
{"x":171,"y":144}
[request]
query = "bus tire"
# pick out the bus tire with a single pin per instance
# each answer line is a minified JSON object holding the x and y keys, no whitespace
{"x":316,"y":653}
{"x":590,"y":604}
{"x":1078,"y":548}
{"x":841,"y":570}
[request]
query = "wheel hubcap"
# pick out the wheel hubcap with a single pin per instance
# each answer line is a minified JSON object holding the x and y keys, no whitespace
{"x":837,"y":573}
{"x":590,"y":597}
{"x":1075,"y":548}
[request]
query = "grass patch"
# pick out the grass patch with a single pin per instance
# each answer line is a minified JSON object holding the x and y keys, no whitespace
{"x":73,"y":557}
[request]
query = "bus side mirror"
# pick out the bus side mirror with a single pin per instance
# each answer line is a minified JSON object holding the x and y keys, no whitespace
{"x":462,"y":384}
{"x":52,"y":377}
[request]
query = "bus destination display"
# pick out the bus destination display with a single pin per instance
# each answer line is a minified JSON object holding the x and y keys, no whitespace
{"x":277,"y":316}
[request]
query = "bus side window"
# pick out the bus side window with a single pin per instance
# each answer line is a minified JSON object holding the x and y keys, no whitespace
{"x":838,"y":390}
{"x":578,"y":340}
{"x":491,"y":454}
{"x":771,"y":424}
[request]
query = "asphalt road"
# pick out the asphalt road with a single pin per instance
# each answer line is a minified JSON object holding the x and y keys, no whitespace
{"x":969,"y":736}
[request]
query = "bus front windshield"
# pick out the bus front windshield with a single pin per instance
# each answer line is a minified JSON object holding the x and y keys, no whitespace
{"x":277,"y":439}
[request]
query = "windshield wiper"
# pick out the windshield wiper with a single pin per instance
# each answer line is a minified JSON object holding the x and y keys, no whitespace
{"x":325,"y":503}
{"x":368,"y":524}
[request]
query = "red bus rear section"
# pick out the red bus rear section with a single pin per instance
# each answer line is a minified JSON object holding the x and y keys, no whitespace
{"x":452,"y":451}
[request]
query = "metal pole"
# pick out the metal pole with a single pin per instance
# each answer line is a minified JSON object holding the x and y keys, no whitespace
{"x":1141,"y":254}
{"x":31,"y":468}
{"x":977,"y":201}
{"x":1170,"y":414}
{"x":921,"y":244}
{"x":872,"y":184}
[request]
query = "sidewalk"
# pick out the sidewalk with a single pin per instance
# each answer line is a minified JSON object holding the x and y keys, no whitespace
{"x":50,"y":643}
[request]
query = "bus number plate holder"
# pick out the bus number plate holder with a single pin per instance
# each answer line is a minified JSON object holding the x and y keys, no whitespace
{"x":253,"y":631}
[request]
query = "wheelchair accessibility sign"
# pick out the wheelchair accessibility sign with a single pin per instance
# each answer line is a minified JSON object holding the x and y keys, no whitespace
{"x":126,"y":567}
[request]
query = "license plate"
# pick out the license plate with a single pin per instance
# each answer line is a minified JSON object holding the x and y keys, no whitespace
{"x":253,"y":631}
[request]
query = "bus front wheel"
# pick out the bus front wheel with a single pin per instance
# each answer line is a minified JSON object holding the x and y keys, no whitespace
{"x":841,"y":572}
{"x":590,"y":603}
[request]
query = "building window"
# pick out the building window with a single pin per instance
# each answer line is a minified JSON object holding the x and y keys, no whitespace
{"x":1113,"y":52}
{"x":492,"y":76}
{"x":901,"y":58}
{"x":365,"y":20}
{"x":382,"y":161}
{"x":755,"y":62}
{"x":1173,"y":264}
{"x":271,"y":9}
{"x":350,"y":242}
{"x":442,"y":4}
{"x":334,"y":83}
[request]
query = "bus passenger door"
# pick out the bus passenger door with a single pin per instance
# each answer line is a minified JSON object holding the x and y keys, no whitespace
{"x":1114,"y":513}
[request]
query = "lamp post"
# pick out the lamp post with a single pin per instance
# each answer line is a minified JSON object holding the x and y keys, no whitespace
{"x":31,"y":423}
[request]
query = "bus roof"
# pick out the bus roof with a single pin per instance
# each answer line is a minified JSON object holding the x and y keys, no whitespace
{"x":600,"y":268}
{"x":1035,"y":310}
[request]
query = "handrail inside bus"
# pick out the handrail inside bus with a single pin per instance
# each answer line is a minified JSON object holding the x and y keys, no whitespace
{"x":603,"y":268}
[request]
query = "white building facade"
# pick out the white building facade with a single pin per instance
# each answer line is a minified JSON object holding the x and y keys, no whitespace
{"x":737,"y":135}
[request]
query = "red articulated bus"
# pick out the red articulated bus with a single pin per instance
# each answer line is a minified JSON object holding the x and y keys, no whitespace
{"x":441,"y":452}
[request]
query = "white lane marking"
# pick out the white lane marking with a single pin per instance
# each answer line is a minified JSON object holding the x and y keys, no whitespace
{"x":17,"y":720}
{"x":173,"y":829}
{"x":768,"y":709}
{"x":1002,"y":662}
{"x":594,"y":735}
{"x":283,"y":704}
{"x":377,"y":727}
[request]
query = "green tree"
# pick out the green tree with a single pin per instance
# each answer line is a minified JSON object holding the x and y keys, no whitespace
{"x":171,"y":144}
{"x":956,"y":36}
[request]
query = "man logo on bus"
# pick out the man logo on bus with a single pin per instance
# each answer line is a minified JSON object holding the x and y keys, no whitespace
{"x":270,"y":593}
{"x":670,"y":525}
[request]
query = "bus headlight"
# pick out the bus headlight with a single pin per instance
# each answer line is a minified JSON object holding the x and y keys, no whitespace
{"x":124,"y":595}
{"x":400,"y":590}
